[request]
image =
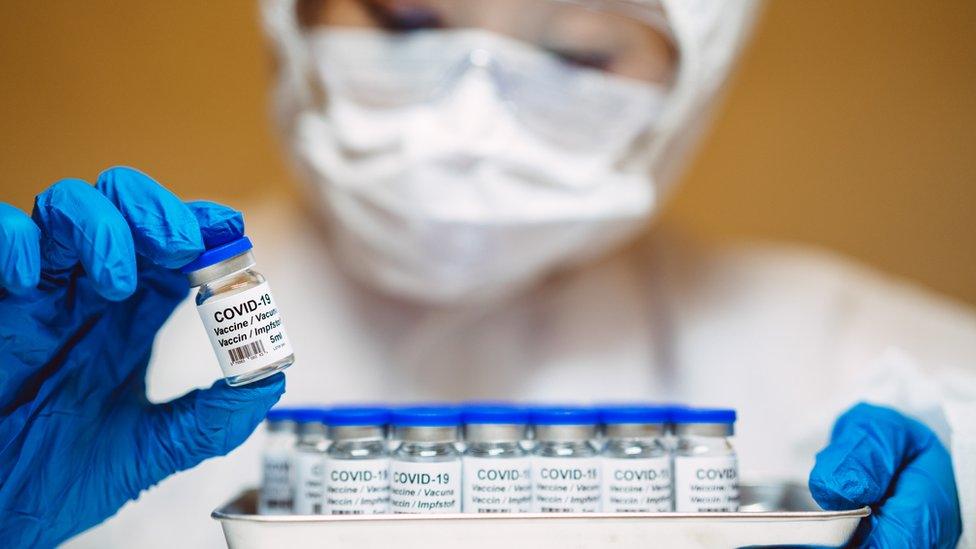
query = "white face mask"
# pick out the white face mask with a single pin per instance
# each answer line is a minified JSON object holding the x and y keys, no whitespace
{"x":503,"y":170}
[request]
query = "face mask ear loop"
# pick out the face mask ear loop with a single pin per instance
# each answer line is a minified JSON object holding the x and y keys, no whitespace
{"x":281,"y":25}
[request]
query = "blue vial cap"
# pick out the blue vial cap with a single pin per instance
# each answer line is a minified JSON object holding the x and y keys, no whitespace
{"x":308,"y":415}
{"x":702,"y":415}
{"x":357,"y":416}
{"x":426,"y":416}
{"x":616,"y":414}
{"x":563,"y":415}
{"x":494,"y":414}
{"x":218,"y":254}
{"x":280,"y":414}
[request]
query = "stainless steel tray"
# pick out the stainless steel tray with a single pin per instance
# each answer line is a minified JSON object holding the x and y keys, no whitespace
{"x":773,"y":514}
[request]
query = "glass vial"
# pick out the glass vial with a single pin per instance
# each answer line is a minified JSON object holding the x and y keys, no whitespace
{"x":276,"y":496}
{"x":706,"y":470}
{"x":308,"y":462}
{"x":357,"y":463}
{"x":239,"y":313}
{"x":565,"y":462}
{"x":425,"y":469}
{"x":497,"y":470}
{"x":636,"y":462}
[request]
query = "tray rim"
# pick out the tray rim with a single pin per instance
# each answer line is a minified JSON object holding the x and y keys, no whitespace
{"x":220,"y":515}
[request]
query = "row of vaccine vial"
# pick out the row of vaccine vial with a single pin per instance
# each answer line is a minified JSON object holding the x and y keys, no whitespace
{"x":510,"y":459}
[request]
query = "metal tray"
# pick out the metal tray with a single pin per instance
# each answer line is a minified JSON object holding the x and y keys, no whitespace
{"x":771,"y":514}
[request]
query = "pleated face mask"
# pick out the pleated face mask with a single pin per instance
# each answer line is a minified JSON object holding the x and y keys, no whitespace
{"x":491,"y":178}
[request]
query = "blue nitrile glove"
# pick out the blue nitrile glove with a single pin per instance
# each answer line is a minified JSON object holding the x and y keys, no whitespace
{"x":879,"y":457}
{"x":86,"y":285}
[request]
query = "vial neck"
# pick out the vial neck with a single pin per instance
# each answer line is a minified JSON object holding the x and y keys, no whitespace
{"x":280,"y":427}
{"x":227,"y":268}
{"x":635,"y":447}
{"x":494,"y":449}
{"x":311,"y":434}
{"x":437,"y":435}
{"x":426,"y":449}
{"x":703,"y":445}
{"x":356,"y":432}
{"x":565,"y":433}
{"x":358,"y":448}
{"x":568,"y":448}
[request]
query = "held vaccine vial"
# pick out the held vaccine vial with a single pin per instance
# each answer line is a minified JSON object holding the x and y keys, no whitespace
{"x":308,"y":462}
{"x":425,"y":470}
{"x":636,"y":463}
{"x":357,"y":464}
{"x":276,"y":489}
{"x":239,"y":312}
{"x":706,"y":471}
{"x":565,"y":463}
{"x":497,"y":470}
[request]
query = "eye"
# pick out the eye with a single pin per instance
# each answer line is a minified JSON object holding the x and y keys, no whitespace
{"x":404,"y":17}
{"x":580,"y":58}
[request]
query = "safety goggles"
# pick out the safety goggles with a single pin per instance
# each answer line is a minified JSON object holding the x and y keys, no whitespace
{"x":573,"y":107}
{"x":630,"y":38}
{"x":569,"y":71}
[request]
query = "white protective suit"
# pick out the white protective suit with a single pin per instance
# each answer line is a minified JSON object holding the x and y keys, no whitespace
{"x":788,"y":337}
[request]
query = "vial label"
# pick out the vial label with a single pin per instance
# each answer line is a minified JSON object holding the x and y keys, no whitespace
{"x":706,"y":484}
{"x":497,"y":485}
{"x":309,"y":483}
{"x":357,"y":486}
{"x":637,"y":485}
{"x":566,"y":485}
{"x":245,"y":330}
{"x":276,"y":496}
{"x":425,"y":487}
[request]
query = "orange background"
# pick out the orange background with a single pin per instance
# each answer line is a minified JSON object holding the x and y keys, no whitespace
{"x":849,"y":125}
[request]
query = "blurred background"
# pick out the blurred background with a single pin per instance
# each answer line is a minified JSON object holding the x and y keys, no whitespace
{"x":849,"y":125}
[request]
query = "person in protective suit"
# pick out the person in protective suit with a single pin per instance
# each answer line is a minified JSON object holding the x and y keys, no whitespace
{"x":487,"y":172}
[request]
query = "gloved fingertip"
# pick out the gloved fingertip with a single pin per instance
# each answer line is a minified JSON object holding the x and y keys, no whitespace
{"x":78,"y":223}
{"x":117,"y":283}
{"x":868,"y":444}
{"x":120,"y":172}
{"x":19,"y":283}
{"x":847,"y":475}
{"x":20,"y":250}
{"x":164,"y":229}
{"x":219,"y":224}
{"x":833,"y":494}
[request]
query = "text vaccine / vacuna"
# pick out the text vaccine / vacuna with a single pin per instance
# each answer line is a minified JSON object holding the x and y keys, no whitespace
{"x":636,"y":462}
{"x":706,"y":469}
{"x":425,"y":470}
{"x":276,"y":497}
{"x":357,"y":463}
{"x":308,"y":462}
{"x":565,"y":463}
{"x":497,"y":470}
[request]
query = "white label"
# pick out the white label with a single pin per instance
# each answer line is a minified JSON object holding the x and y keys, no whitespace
{"x":425,"y":487}
{"x":245,"y":330}
{"x":566,"y":485}
{"x":703,"y":484}
{"x":357,"y":486}
{"x":309,"y":483}
{"x":497,"y":485}
{"x":276,"y":498}
{"x":637,"y":485}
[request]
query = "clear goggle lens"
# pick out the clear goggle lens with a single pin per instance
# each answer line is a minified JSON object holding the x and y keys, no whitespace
{"x":575,"y":72}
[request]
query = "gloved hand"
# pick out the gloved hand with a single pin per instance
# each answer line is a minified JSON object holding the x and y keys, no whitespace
{"x":879,"y":457}
{"x":86,"y":285}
